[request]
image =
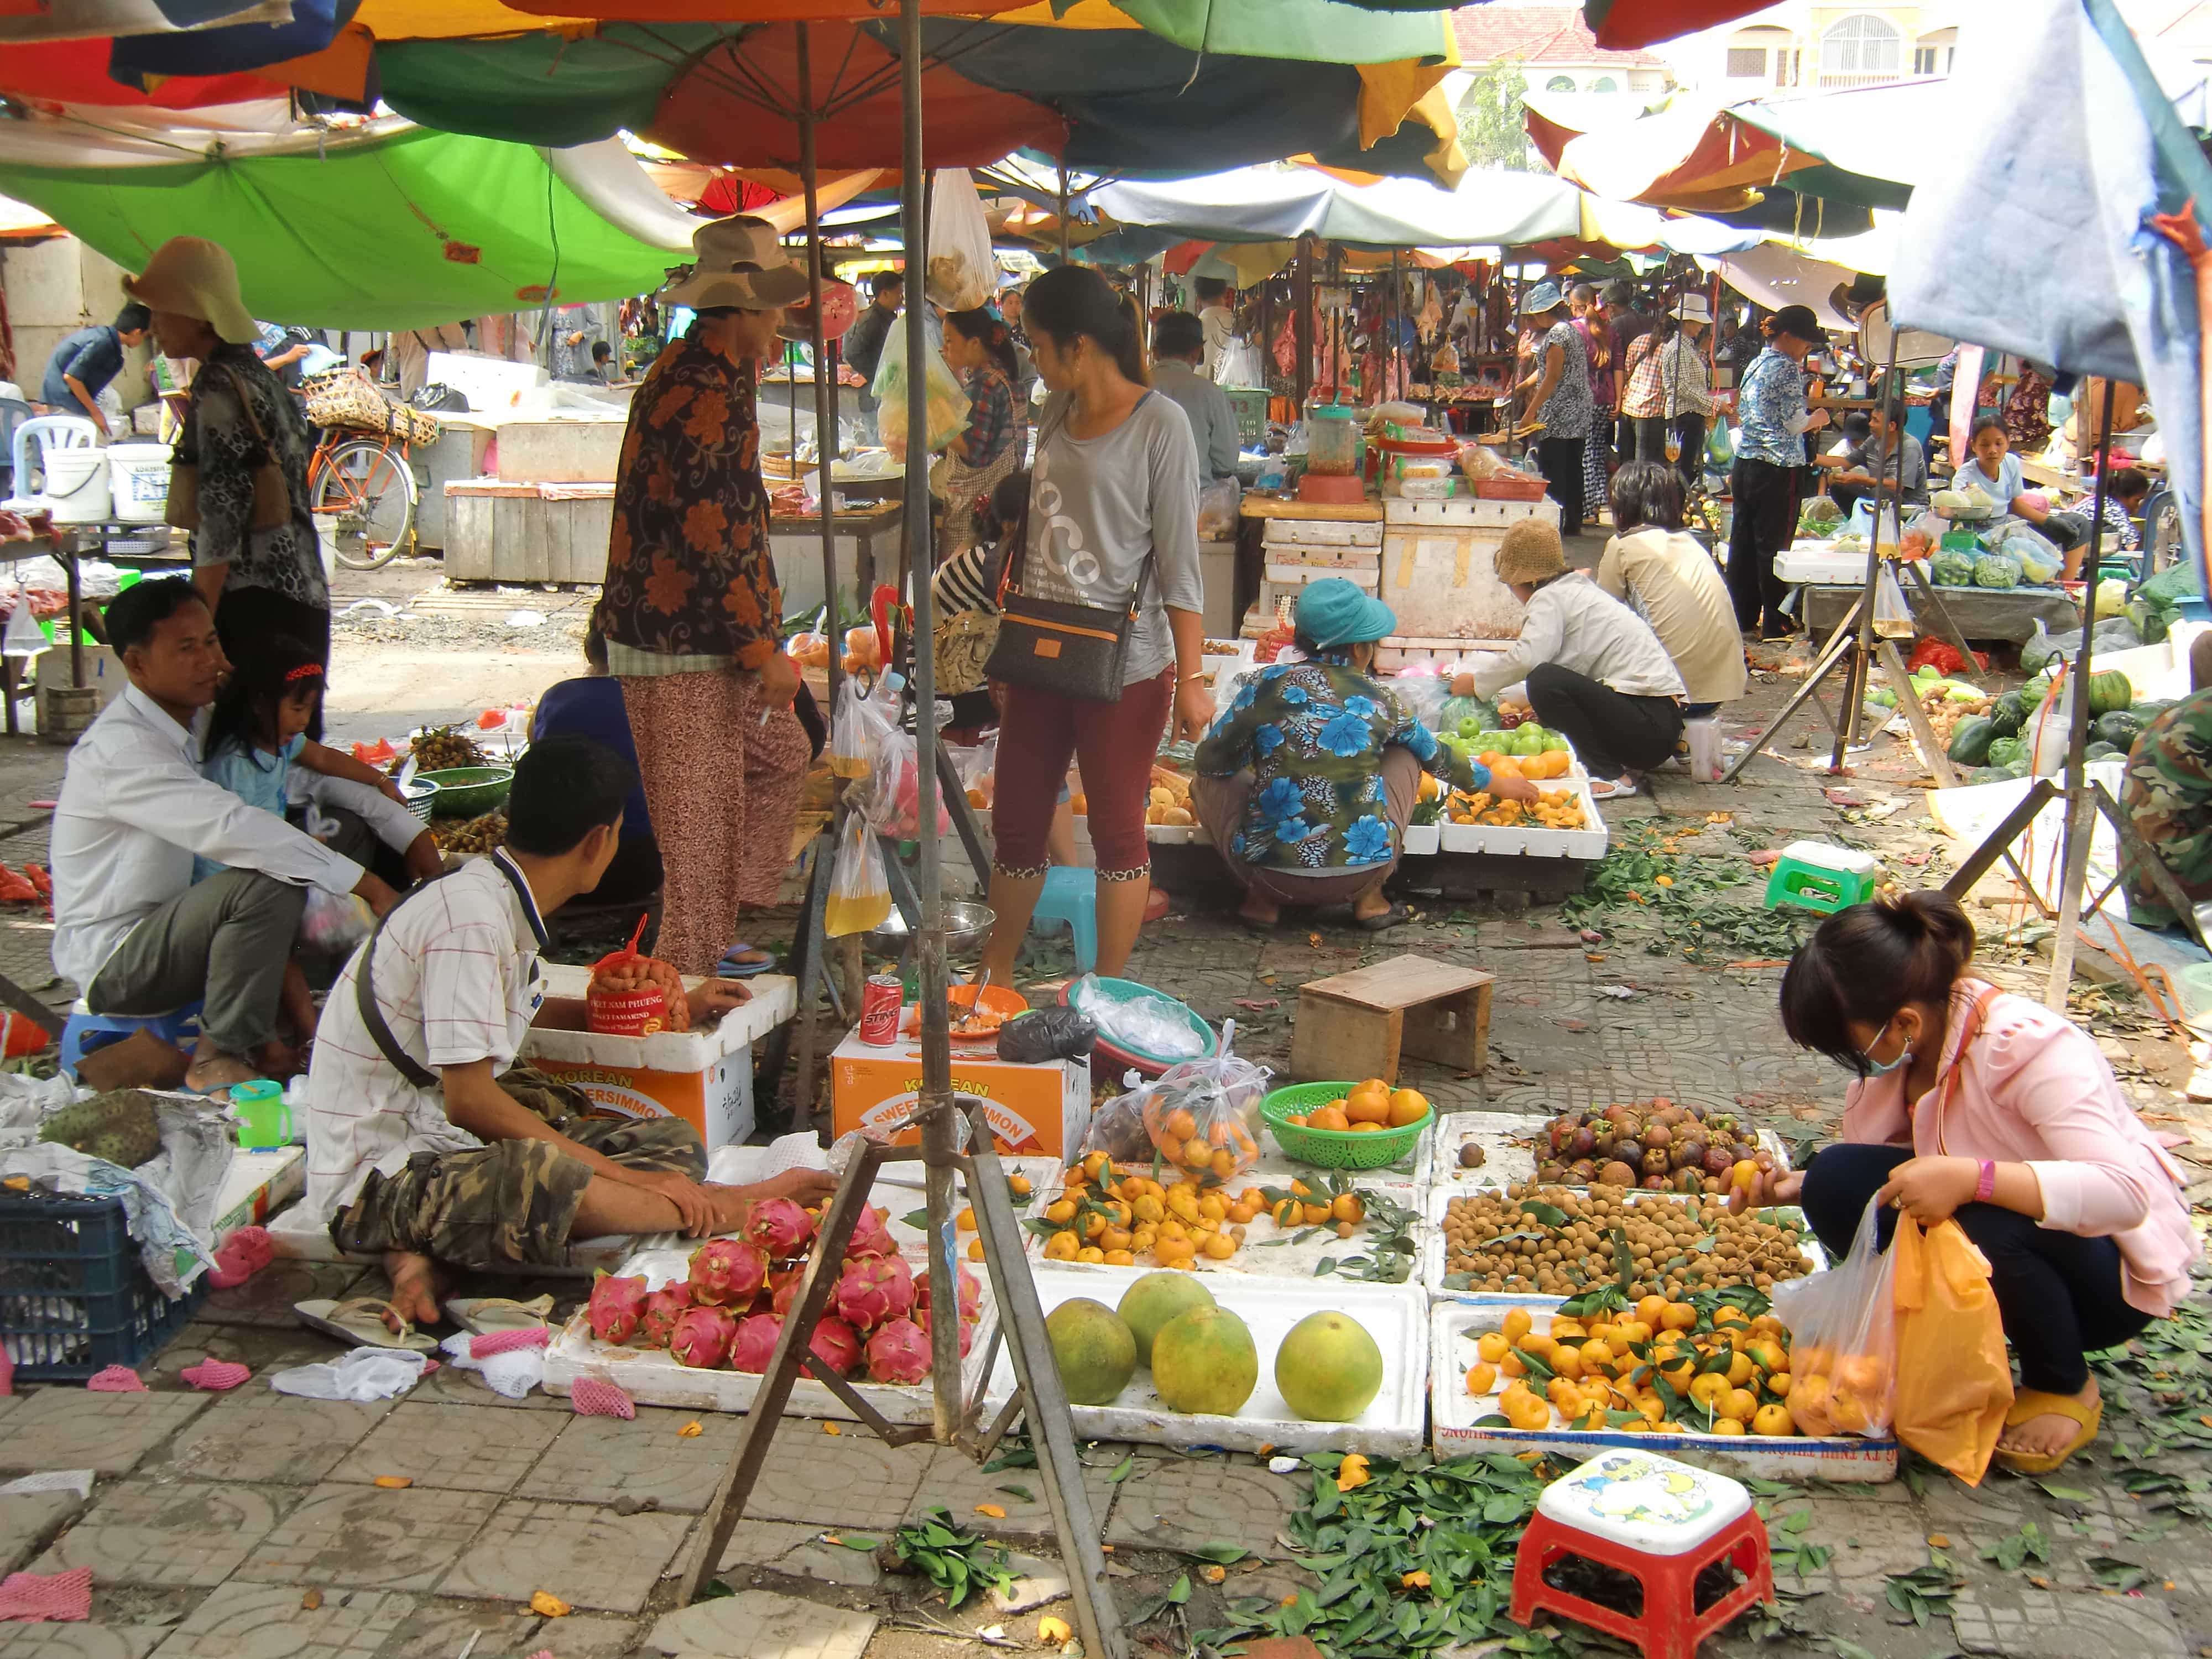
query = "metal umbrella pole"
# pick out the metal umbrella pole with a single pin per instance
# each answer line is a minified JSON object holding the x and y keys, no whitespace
{"x":825,"y":390}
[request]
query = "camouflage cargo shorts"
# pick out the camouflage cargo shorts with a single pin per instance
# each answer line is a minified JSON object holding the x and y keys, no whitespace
{"x":513,"y":1201}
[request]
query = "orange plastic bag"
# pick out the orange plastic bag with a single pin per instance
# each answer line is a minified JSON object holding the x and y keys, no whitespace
{"x":1953,"y":1379}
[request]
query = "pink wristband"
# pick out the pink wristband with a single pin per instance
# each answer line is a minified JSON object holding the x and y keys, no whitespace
{"x":1986,"y":1187}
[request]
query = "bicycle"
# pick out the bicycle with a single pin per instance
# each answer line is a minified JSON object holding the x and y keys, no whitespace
{"x":366,"y":486}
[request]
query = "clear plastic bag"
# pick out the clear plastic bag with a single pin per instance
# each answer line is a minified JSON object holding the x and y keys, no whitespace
{"x":1241,"y":366}
{"x":893,"y":803}
{"x":1150,"y":1022}
{"x":1424,"y":695}
{"x":1843,"y":1339}
{"x":335,"y":921}
{"x":1199,"y":1114}
{"x":1217,"y":510}
{"x":948,"y":405}
{"x":963,"y":273}
{"x":1118,"y":1129}
{"x":857,"y":732}
{"x":1893,"y":617}
{"x":860,"y":891}
{"x":1241,"y":1083}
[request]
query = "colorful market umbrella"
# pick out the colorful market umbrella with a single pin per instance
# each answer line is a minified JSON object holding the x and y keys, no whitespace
{"x":1623,"y":24}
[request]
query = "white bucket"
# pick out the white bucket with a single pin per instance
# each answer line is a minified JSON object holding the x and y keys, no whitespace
{"x":138,"y":479}
{"x":77,"y":485}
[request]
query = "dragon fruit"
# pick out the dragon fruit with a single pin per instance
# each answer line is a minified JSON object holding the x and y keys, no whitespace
{"x":702,"y":1337}
{"x":835,"y":1344}
{"x":874,"y":1289}
{"x":787,"y":1294}
{"x":658,"y":1322}
{"x":756,"y":1343}
{"x":780,"y":1227}
{"x":871,"y":1235}
{"x":727,"y":1273}
{"x":967,"y":1330}
{"x":615,"y":1306}
{"x":971,"y":1295}
{"x":899,"y":1352}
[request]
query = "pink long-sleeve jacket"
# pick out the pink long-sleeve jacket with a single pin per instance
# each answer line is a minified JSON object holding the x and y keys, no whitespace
{"x":2032,"y":1089}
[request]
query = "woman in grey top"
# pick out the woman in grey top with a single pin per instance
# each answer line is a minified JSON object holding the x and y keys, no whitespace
{"x":1113,"y":512}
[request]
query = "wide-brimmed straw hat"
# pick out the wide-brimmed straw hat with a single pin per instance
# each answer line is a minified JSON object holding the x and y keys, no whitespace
{"x":1531,"y":552}
{"x":191,"y":276}
{"x":739,"y":262}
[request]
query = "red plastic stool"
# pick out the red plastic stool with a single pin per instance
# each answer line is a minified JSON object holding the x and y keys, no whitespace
{"x":1662,"y":1522}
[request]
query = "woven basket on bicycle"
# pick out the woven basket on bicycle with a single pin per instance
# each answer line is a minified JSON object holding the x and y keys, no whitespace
{"x":347,"y":399}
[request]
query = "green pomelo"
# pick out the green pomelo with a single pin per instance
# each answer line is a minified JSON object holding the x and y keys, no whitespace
{"x":1094,"y":1349}
{"x":1204,"y":1363}
{"x":1328,"y":1369}
{"x":1154,"y":1299}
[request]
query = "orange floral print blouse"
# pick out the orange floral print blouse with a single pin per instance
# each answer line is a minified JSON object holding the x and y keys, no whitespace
{"x":689,"y":571}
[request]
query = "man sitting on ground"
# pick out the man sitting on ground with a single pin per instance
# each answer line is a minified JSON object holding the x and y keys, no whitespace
{"x":129,"y":927}
{"x":426,"y":1143}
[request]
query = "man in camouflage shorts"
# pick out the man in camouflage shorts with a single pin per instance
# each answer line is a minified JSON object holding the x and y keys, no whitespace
{"x":2167,"y":798}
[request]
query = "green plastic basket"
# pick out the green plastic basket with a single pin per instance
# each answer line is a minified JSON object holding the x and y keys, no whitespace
{"x":468,"y":791}
{"x":1335,"y":1149}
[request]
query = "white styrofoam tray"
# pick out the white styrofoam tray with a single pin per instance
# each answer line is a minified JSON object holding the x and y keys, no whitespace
{"x":1505,"y":1137}
{"x":1423,"y":838}
{"x":1394,"y":1314}
{"x":1432,"y":1237}
{"x":259,"y":1186}
{"x":1456,"y":1415}
{"x":775,"y":1000}
{"x":1536,"y":842}
{"x":653,"y":1377}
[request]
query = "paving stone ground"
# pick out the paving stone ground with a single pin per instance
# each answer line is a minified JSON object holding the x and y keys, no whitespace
{"x":216,"y":1522}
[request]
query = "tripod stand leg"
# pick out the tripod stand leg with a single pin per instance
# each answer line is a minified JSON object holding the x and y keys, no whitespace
{"x":2080,"y":820}
{"x":1908,"y":700}
{"x":1021,"y":1317}
{"x":1838,"y":642}
{"x":1996,"y":844}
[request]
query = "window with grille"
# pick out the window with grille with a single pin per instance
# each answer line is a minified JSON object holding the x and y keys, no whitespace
{"x":1861,"y":48}
{"x":1561,"y":83}
{"x":1746,"y":63}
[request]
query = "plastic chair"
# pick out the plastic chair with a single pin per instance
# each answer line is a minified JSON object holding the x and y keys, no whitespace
{"x":1071,"y":896}
{"x":85,"y":1032}
{"x":1661,"y":1521}
{"x":51,"y":431}
{"x":12,"y":413}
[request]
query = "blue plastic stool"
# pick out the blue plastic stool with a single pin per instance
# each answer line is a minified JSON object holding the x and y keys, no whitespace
{"x":1071,"y":895}
{"x":181,"y":1028}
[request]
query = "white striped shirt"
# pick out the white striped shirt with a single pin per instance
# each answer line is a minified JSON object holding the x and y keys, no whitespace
{"x":458,"y":981}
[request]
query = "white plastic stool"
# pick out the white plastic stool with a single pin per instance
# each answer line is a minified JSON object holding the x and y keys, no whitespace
{"x":51,"y":431}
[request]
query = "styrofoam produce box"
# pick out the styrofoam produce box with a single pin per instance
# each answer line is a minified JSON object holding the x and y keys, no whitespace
{"x":654,"y":1378}
{"x":1535,"y":840}
{"x":1423,"y":838}
{"x":1394,"y":1314}
{"x":259,"y":1185}
{"x":897,"y":1188}
{"x":1432,"y":1237}
{"x":1504,"y":1138}
{"x":1456,"y":1417}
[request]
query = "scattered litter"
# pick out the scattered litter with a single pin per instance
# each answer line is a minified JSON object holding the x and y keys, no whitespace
{"x":244,"y":1252}
{"x":1844,"y":798}
{"x":691,"y":1431}
{"x":312,"y":1599}
{"x":394,"y":1482}
{"x":1051,"y":1629}
{"x":1255,"y":1006}
{"x":486,"y":1344}
{"x":216,"y":1376}
{"x":590,"y":1396}
{"x":513,"y":1371}
{"x":76,"y":1481}
{"x":547,"y":1605}
{"x":373,"y":607}
{"x":34,"y":1598}
{"x":1620,"y":993}
{"x":115,"y":1379}
{"x":363,"y":1375}
{"x":831,"y":1428}
{"x":526,"y":619}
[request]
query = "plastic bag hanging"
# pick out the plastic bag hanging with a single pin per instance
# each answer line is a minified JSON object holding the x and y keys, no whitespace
{"x":857,"y":733}
{"x":1954,"y":1378}
{"x":1893,"y":617}
{"x":860,"y":891}
{"x":963,"y":272}
{"x":1843,"y":1339}
{"x":948,"y":405}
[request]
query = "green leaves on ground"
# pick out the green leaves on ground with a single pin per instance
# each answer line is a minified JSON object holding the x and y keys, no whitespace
{"x":1925,"y":1590}
{"x":1648,"y":879}
{"x":2112,"y":1573}
{"x":1791,"y":1552}
{"x":956,"y":1562}
{"x":2011,"y":1552}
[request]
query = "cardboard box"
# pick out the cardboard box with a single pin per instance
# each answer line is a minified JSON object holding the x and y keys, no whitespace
{"x":705,"y":1078}
{"x":1041,"y":1110}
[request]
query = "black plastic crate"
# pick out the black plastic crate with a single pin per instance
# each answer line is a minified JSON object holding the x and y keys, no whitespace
{"x":75,"y":1298}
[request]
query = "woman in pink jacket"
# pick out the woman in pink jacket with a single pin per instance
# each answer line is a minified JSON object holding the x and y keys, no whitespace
{"x":1982,"y":1106}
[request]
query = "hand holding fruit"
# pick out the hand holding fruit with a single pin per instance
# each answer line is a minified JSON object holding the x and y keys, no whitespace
{"x":1763,"y":1188}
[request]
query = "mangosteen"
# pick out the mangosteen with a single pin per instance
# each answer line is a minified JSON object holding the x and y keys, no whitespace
{"x":1658,"y":1135}
{"x":1471,"y":1156}
{"x":1561,"y":1133}
{"x":1551,"y":1173}
{"x":1584,"y":1171}
{"x":1656,"y":1162}
{"x":1616,"y":1174}
{"x":1697,"y":1110}
{"x":1689,"y":1181}
{"x":1657,"y":1183}
{"x":1690,"y":1154}
{"x":1584,"y":1144}
{"x":1602,"y":1142}
{"x":1717,"y":1161}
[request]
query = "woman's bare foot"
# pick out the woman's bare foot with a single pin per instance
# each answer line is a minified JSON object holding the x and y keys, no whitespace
{"x":212,"y":1068}
{"x":1369,"y":904}
{"x":2040,"y":1437}
{"x":1258,"y":911}
{"x":417,"y":1286}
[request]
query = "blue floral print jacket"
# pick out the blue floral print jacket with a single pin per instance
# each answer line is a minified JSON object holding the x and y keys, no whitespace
{"x":1314,"y":733}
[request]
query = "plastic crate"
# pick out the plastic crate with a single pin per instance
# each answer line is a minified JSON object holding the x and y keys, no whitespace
{"x":1251,"y":407}
{"x":75,"y":1298}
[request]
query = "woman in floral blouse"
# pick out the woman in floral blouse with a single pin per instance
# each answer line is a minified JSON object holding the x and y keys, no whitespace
{"x":1306,"y":781}
{"x":691,"y":612}
{"x":1770,"y":467}
{"x":255,"y":560}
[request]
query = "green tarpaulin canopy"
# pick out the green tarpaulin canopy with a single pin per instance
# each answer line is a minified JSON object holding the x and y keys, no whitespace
{"x":388,"y":233}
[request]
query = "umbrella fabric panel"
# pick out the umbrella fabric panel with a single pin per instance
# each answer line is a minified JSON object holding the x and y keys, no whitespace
{"x":230,"y":49}
{"x":1315,"y":31}
{"x":1489,"y":208}
{"x":76,"y":72}
{"x":353,"y":240}
{"x":539,"y":89}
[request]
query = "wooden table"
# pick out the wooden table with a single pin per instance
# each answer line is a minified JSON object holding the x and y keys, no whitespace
{"x":1365,"y":1023}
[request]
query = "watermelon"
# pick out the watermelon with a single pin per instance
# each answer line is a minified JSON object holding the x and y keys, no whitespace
{"x":1988,"y":775}
{"x":1969,"y":740}
{"x":2032,"y":694}
{"x":2009,"y":751}
{"x":2119,"y":728}
{"x":2109,"y":692}
{"x":1950,"y":567}
{"x":2148,"y":710}
{"x":1997,"y":570}
{"x":2097,"y":751}
{"x":2010,"y":712}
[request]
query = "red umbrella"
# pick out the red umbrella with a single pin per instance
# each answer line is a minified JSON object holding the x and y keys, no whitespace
{"x":1622,"y":24}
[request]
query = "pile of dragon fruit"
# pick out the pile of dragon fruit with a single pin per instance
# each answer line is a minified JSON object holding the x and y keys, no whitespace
{"x":729,"y":1312}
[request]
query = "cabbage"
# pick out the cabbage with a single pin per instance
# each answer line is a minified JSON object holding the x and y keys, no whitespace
{"x":1948,"y":503}
{"x":1952,"y":568}
{"x":1997,"y":570}
{"x":1979,"y":502}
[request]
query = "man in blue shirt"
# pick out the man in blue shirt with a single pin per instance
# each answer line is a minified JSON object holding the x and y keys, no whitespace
{"x":1178,"y":374}
{"x":84,"y":364}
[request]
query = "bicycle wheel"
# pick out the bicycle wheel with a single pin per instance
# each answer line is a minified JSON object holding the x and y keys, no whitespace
{"x":367,"y":492}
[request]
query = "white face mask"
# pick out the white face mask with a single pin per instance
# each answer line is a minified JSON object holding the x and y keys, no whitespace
{"x":1883,"y":1068}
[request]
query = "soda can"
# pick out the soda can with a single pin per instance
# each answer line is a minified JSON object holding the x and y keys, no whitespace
{"x":879,"y":1010}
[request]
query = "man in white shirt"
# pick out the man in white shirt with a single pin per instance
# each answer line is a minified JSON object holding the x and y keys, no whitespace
{"x":129,"y":927}
{"x":1177,"y":374}
{"x":425,"y":1141}
{"x":1220,"y":323}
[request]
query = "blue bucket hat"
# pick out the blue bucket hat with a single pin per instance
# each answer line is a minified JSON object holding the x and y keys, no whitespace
{"x":1545,"y":296}
{"x":1333,"y":612}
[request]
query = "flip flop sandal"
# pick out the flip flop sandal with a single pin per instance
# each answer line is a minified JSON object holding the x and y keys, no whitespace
{"x":2031,"y":1403}
{"x":1396,"y":916}
{"x":1620,"y":788}
{"x":728,"y":968}
{"x":359,"y":1322}
{"x":481,"y":1316}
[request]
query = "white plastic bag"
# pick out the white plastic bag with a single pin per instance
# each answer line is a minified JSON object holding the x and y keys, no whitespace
{"x":963,"y":272}
{"x":947,"y":408}
{"x":361,"y":1376}
{"x":860,"y":892}
{"x":893,"y":803}
{"x":861,"y":724}
{"x":1217,"y":510}
{"x":1893,"y":617}
{"x":1241,"y":366}
{"x":335,"y":921}
{"x":1843,"y":1340}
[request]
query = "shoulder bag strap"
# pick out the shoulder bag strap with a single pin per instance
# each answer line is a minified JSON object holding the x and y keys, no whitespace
{"x":372,"y":1014}
{"x":1010,"y":570}
{"x":246,"y":407}
{"x":1948,"y":1085}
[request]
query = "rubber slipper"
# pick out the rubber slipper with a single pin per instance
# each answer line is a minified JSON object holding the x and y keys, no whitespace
{"x":359,"y":1322}
{"x":2031,"y":1403}
{"x":1396,"y":916}
{"x":728,"y":968}
{"x":1612,"y":788}
{"x":481,"y":1316}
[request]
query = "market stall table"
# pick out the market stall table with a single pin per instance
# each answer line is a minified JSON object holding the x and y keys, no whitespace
{"x":1982,"y":613}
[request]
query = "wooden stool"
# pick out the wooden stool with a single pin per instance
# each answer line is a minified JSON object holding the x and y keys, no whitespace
{"x":1362,"y":1023}
{"x":1662,"y":1522}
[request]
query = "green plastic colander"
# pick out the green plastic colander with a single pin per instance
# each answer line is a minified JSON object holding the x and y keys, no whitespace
{"x":1335,"y":1149}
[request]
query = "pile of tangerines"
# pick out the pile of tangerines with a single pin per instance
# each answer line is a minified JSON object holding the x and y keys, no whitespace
{"x":1369,"y":1105}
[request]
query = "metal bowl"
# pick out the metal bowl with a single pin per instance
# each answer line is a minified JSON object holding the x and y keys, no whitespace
{"x":967,"y":925}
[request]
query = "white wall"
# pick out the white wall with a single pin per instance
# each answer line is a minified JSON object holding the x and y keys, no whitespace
{"x":55,"y":287}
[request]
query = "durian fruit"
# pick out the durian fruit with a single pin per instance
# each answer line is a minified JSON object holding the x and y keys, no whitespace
{"x":120,"y":1125}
